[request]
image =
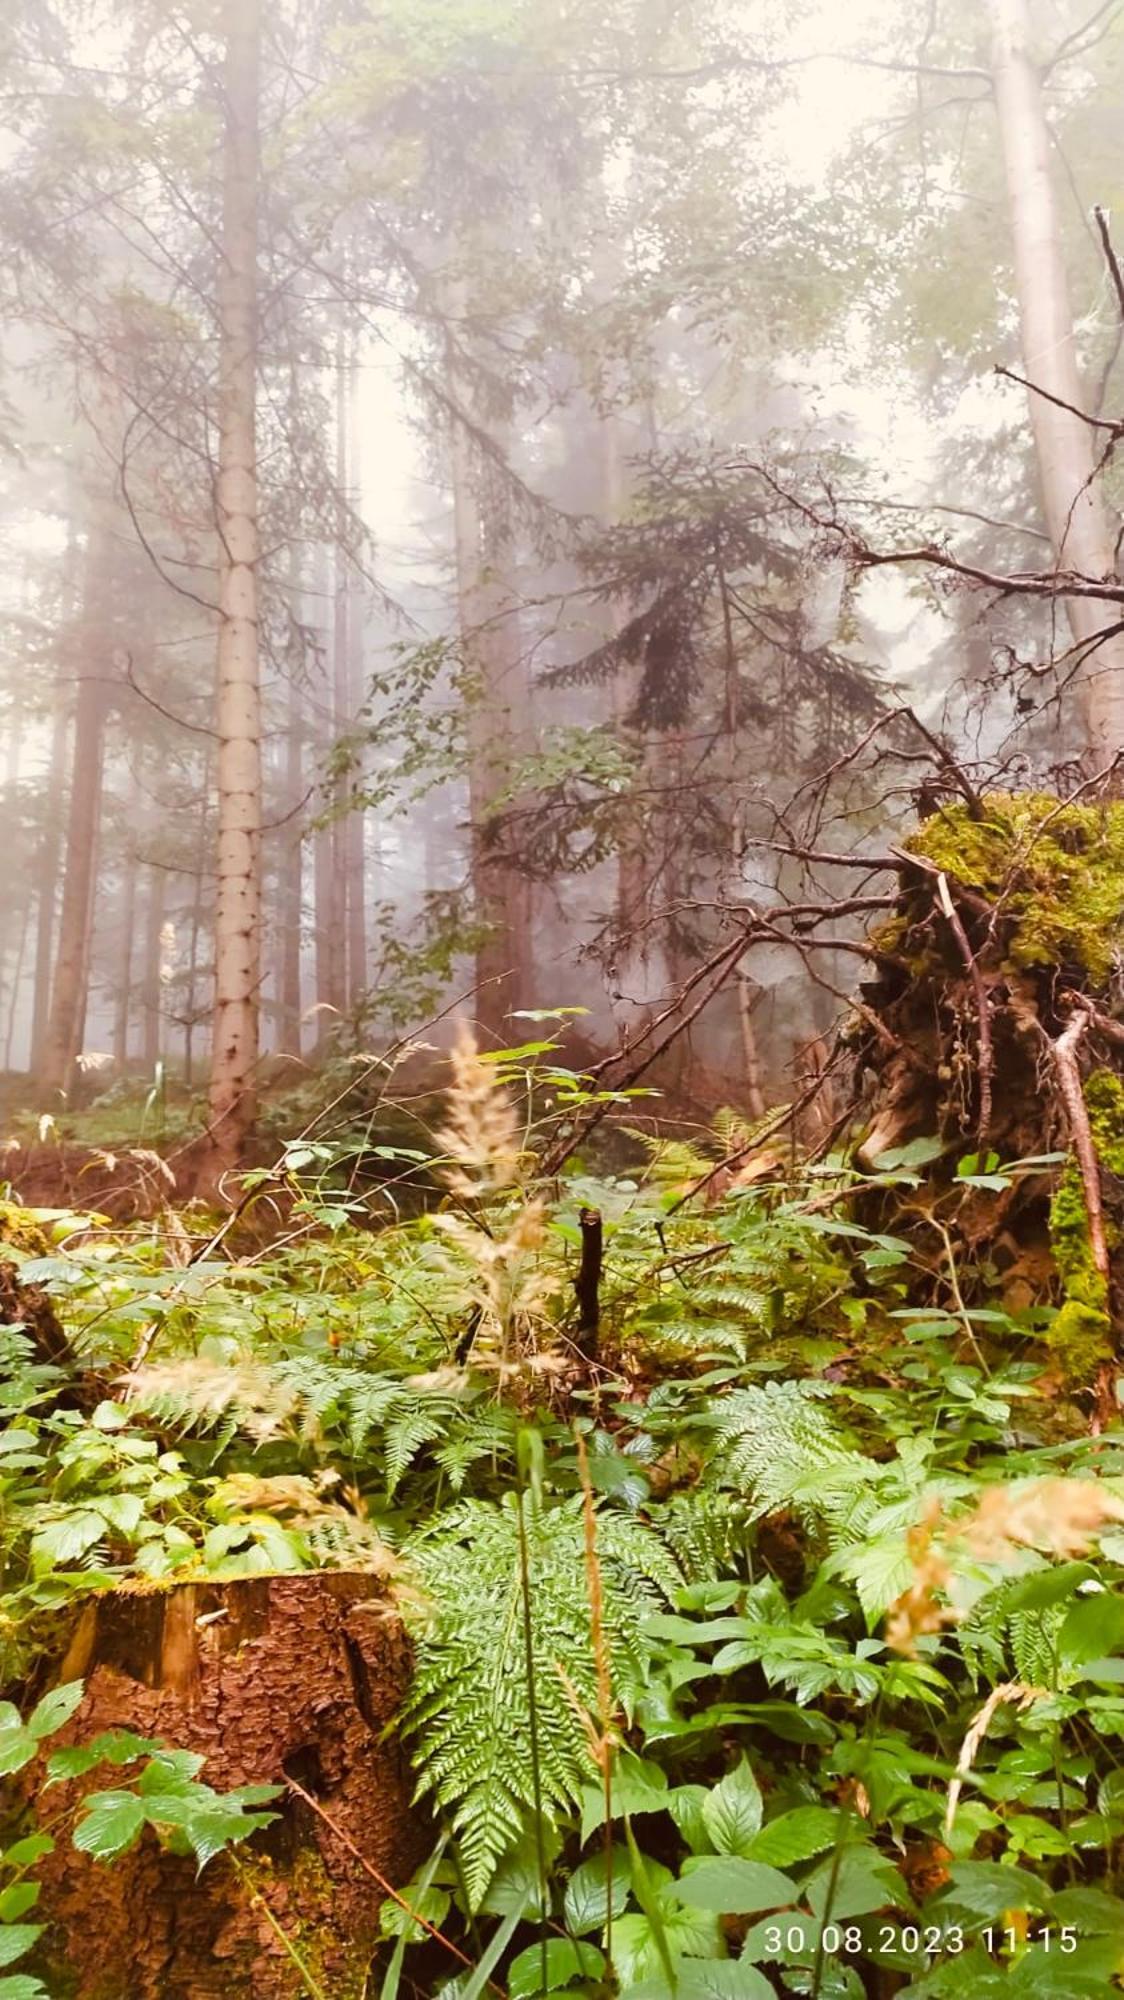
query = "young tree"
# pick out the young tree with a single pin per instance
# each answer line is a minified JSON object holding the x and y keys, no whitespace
{"x":234,"y":1052}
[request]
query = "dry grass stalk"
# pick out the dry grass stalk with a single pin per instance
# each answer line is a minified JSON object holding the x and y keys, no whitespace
{"x":1058,"y":1517}
{"x":1013,"y":1691}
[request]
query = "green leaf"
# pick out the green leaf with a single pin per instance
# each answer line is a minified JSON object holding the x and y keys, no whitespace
{"x":796,"y":1836}
{"x":67,"y":1539}
{"x":638,"y":1788}
{"x":855,"y":1884}
{"x":31,"y":1848}
{"x":987,"y":1889}
{"x":55,"y":1709}
{"x":733,"y":1812}
{"x":1093,"y":1629}
{"x":17,"y":1748}
{"x":563,"y":1961}
{"x":111,"y":1823}
{"x":586,"y":1906}
{"x":732,"y":1886}
{"x":23,"y":1986}
{"x":15,"y":1939}
{"x":717,"y":1979}
{"x":17,"y":1899}
{"x":432,"y":1904}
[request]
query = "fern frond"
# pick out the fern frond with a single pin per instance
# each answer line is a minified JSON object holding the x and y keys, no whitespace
{"x":778,"y":1444}
{"x":468,"y":1710}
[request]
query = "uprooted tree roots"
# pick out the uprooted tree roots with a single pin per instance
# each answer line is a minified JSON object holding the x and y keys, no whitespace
{"x":995,"y":1023}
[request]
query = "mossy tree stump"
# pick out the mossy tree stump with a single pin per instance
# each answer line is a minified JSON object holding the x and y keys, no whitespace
{"x":270,"y":1679}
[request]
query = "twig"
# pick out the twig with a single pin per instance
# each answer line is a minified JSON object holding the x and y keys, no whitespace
{"x":983,"y":1009}
{"x":386,"y":1887}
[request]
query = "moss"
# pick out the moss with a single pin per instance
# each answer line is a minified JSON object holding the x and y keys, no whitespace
{"x":20,"y":1229}
{"x":1061,"y":888}
{"x":1080,"y":1337}
{"x":1080,"y":1343}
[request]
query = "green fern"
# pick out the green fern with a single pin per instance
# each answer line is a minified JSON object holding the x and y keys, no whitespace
{"x":780,"y":1446}
{"x":469,"y":1710}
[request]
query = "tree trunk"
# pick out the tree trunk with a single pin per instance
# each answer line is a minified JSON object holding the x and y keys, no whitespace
{"x":152,"y":985}
{"x":341,"y":698}
{"x":1072,"y":499}
{"x":497,"y":726}
{"x":270,"y":1679}
{"x":47,"y":882}
{"x":290,"y":882}
{"x":124,"y":1001}
{"x":62,"y":1040}
{"x":234,"y":1050}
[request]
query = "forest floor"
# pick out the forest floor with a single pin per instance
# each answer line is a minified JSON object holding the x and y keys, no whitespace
{"x":692,"y":1569}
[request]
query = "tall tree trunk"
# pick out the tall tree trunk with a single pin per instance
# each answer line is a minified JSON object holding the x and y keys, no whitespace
{"x":47,"y":866}
{"x":339,"y":970}
{"x":234,"y":1049}
{"x":62,"y":1040}
{"x":1072,"y":500}
{"x":195,"y":932}
{"x":355,"y":825}
{"x":330,"y":942}
{"x":17,"y":981}
{"x":290,"y":881}
{"x":497,"y":718}
{"x":123,"y":1007}
{"x":152,"y":985}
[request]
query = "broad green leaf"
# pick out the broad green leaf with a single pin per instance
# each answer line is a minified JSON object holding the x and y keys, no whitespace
{"x":15,"y":1939}
{"x":17,"y":1748}
{"x":586,"y":1905}
{"x":111,"y":1822}
{"x":17,"y":1899}
{"x":64,"y":1541}
{"x":1093,"y":1629}
{"x":733,"y":1812}
{"x":31,"y":1848}
{"x":23,"y":1986}
{"x":987,"y":1889}
{"x":796,"y":1836}
{"x":56,"y":1707}
{"x":702,"y":1979}
{"x":732,"y":1886}
{"x":432,"y":1904}
{"x":854,"y":1884}
{"x":561,"y":1960}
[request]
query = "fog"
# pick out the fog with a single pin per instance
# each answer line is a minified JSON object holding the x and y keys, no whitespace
{"x":489,"y":493}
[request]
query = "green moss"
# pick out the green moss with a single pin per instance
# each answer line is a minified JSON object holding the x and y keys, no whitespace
{"x":1061,"y":888}
{"x":1080,"y":1338}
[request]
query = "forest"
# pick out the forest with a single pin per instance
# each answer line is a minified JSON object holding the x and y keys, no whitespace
{"x":561,"y":1000}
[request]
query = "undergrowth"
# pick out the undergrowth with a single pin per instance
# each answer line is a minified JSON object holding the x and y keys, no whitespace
{"x":771,"y":1642}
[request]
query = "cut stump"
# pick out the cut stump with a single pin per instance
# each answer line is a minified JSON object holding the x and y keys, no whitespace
{"x":269,"y":1678}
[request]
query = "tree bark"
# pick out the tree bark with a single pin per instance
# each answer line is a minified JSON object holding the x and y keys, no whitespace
{"x":234,"y":1051}
{"x":497,"y":728}
{"x":290,"y":881}
{"x":1072,"y":500}
{"x":152,"y":986}
{"x":62,"y":1038}
{"x":47,"y":882}
{"x":273,"y":1680}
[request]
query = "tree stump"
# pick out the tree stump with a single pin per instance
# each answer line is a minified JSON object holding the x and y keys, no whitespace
{"x":269,"y":1678}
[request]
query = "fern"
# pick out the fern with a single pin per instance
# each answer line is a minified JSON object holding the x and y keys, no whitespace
{"x":469,"y":1710}
{"x":779,"y":1444}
